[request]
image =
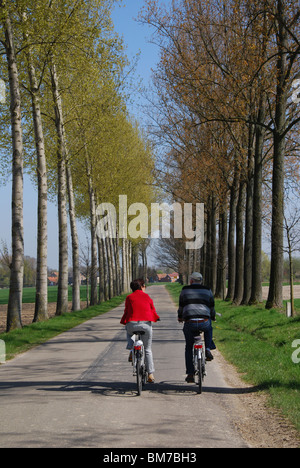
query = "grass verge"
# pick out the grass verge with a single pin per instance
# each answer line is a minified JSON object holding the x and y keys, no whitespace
{"x":21,"y":340}
{"x":259,"y":343}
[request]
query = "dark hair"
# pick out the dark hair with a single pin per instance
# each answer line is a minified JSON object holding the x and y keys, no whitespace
{"x":137,"y":284}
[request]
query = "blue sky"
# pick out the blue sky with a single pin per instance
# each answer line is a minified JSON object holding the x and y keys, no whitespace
{"x":136,"y":36}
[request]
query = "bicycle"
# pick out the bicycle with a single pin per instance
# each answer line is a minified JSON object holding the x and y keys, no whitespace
{"x":199,"y":360}
{"x":138,"y":360}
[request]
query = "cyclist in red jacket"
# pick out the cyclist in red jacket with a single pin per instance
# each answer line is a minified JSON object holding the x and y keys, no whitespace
{"x":139,"y":314}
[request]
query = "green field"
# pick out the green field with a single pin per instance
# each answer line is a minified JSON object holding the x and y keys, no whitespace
{"x":259,"y":343}
{"x":29,"y":294}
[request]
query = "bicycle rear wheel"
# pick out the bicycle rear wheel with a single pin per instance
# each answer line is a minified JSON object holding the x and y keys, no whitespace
{"x":203,"y":365}
{"x":200,"y":375}
{"x":139,"y":376}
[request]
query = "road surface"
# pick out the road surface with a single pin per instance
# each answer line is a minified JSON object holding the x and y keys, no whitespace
{"x":77,"y":390}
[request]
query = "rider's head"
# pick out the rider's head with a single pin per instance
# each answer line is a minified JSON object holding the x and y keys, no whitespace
{"x":137,"y":284}
{"x":196,"y":278}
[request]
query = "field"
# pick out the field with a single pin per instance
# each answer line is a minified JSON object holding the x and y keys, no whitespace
{"x":28,"y":304}
{"x":32,"y":334}
{"x":29,"y":294}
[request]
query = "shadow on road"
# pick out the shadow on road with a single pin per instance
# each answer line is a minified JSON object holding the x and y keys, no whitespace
{"x":128,"y":389}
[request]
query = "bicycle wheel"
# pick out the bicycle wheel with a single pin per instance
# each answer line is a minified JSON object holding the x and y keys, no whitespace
{"x":144,"y":376}
{"x":203,"y":365}
{"x":144,"y":370}
{"x":200,"y":375}
{"x":139,"y":376}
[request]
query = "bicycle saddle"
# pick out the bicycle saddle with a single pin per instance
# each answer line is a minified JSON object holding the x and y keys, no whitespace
{"x":139,"y":332}
{"x":198,"y":338}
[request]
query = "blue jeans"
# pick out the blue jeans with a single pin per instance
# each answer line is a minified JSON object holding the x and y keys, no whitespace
{"x":190,"y":330}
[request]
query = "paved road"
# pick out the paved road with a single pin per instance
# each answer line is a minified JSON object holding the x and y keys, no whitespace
{"x":77,"y":390}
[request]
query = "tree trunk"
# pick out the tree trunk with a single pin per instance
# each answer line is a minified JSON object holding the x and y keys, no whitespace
{"x":144,"y":247}
{"x":249,"y":220}
{"x":14,"y":309}
{"x":239,"y":269}
{"x":62,"y":294}
{"x":118,"y":266}
{"x":75,"y":243}
{"x":93,"y":225}
{"x":256,"y":292}
{"x":129,"y":278}
{"x":207,"y":271}
{"x":248,"y":243}
{"x":41,"y":298}
{"x":276,"y":276}
{"x":87,"y":288}
{"x":101,"y":296}
{"x":222,"y":250}
{"x":260,"y":131}
{"x":231,"y":239}
{"x":125,"y":266}
{"x":109,"y":268}
{"x":112,"y":267}
{"x":291,"y":283}
{"x":135,"y":261}
{"x":213,"y":251}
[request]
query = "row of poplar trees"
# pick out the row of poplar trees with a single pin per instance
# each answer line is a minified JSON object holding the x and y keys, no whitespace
{"x":66,"y":121}
{"x":226,"y":113}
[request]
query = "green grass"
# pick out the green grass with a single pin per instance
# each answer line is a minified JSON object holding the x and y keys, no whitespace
{"x":259,"y":343}
{"x":21,"y":340}
{"x":29,"y":294}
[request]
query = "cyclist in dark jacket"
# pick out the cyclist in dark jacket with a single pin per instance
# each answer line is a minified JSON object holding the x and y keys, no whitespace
{"x":196,"y":310}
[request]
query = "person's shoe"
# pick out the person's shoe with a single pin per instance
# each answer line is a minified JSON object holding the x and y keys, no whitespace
{"x":190,"y":378}
{"x":208,"y":355}
{"x":151,"y":378}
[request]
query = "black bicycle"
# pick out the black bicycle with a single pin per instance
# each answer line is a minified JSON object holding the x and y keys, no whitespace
{"x":138,"y":360}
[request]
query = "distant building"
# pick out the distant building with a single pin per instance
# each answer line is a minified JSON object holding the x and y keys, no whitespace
{"x":82,"y":279}
{"x":53,"y":280}
{"x":167,"y":278}
{"x":174,"y":277}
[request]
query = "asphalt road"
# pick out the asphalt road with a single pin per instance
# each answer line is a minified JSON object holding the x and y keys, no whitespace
{"x":77,"y":390}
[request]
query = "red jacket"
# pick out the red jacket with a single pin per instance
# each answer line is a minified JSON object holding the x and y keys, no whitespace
{"x":139,"y":307}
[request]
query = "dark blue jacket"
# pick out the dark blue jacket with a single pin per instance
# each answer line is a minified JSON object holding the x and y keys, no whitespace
{"x":196,"y":301}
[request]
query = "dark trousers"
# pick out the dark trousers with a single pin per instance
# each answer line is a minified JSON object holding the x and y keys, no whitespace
{"x":190,"y":330}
